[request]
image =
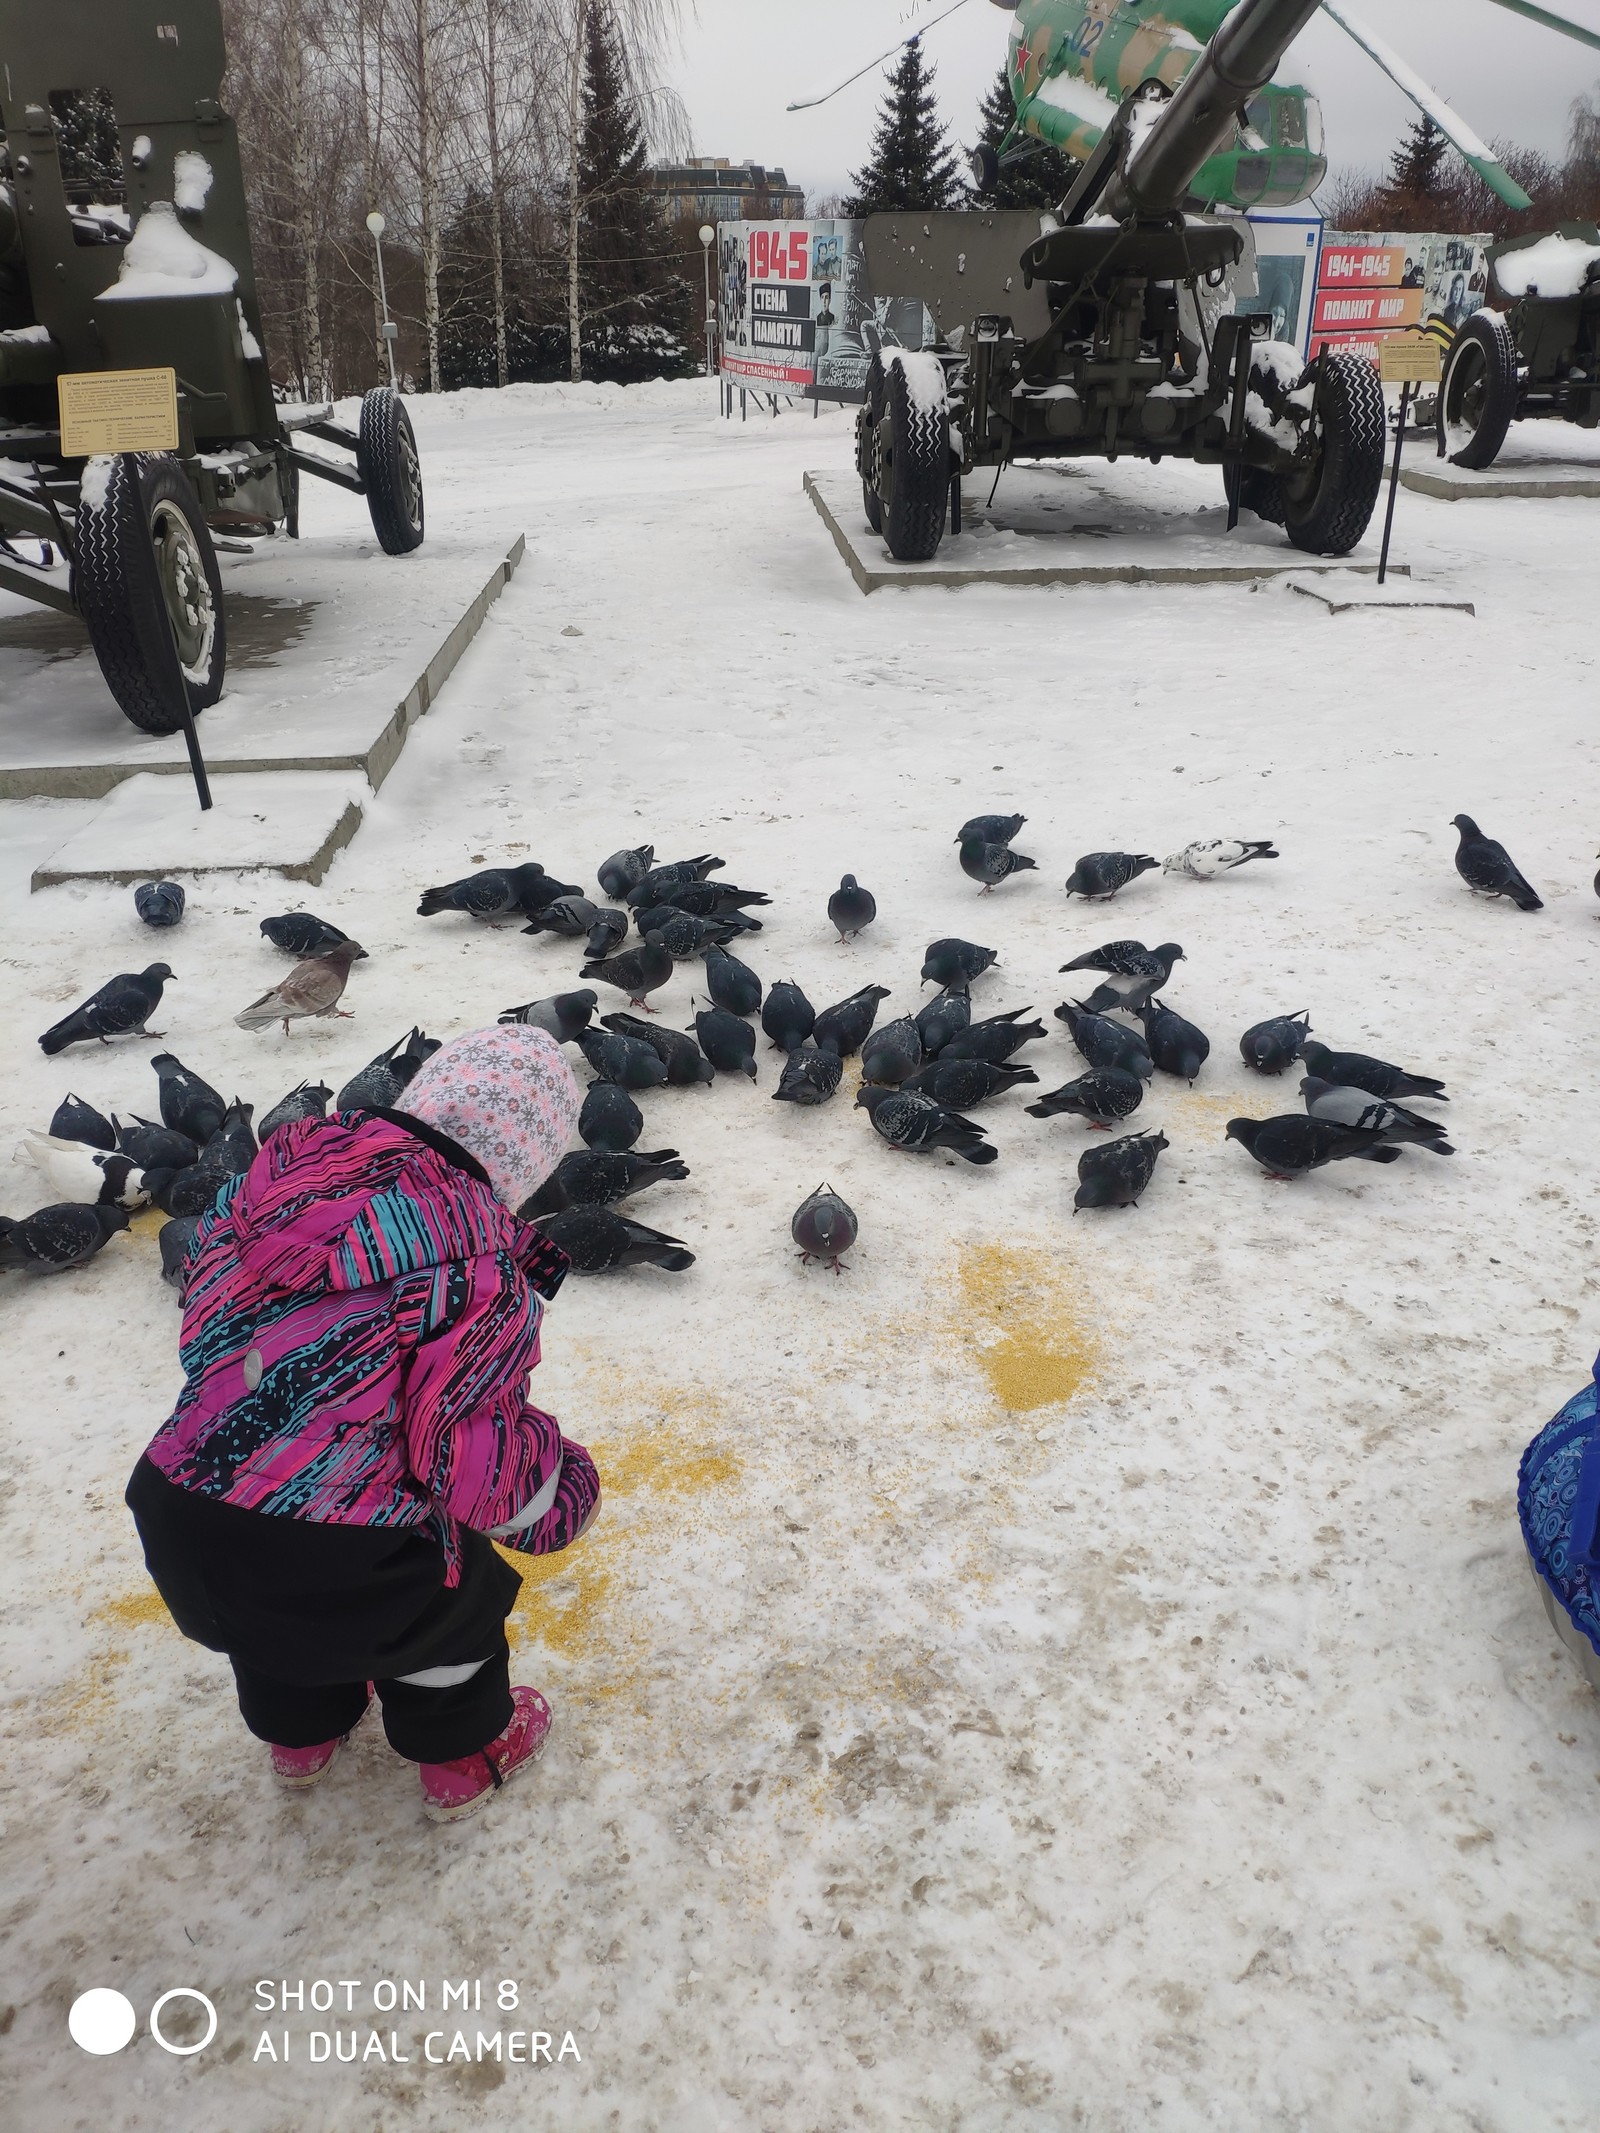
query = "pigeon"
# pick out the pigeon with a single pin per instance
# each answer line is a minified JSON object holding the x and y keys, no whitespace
{"x":627,"y":1061}
{"x":573,"y":916}
{"x":1176,"y":1046}
{"x":606,"y":935}
{"x":990,"y":829}
{"x":732,"y":985}
{"x":683,"y":1059}
{"x":1104,"y":1096}
{"x":1134,"y":974}
{"x":995,"y":1039}
{"x":639,"y":972}
{"x":809,"y":1076}
{"x":891,"y":1054}
{"x":595,"y":1178}
{"x":787,"y":1016}
{"x":991,"y":864}
{"x":1488,"y":869}
{"x":944,"y":1018}
{"x":57,"y":1238}
{"x":232,"y":1148}
{"x":313,"y":988}
{"x":176,"y":1238}
{"x":647,"y":889}
{"x":1272,"y":1045}
{"x":844,"y":1028}
{"x":717,"y":899}
{"x":1371,"y":1114}
{"x":155,"y":1147}
{"x":683,"y":936}
{"x":1105,"y":1043}
{"x":917,"y":1125}
{"x":824,"y":1226}
{"x":1208,"y":857}
{"x":121,"y":1008}
{"x":600,"y":1242}
{"x":727,"y":1040}
{"x":610,"y":1119}
{"x":384,"y":1080}
{"x":299,"y":934}
{"x":159,"y":903}
{"x":1289,"y":1146}
{"x":562,"y":1016}
{"x":624,"y":870}
{"x":188,"y":1105}
{"x":851,"y":908}
{"x":958,"y":1084}
{"x":74,"y":1120}
{"x":85,"y":1175}
{"x":1099,"y":875}
{"x":1356,"y":1070}
{"x":495,"y":893}
{"x":186,"y":1192}
{"x":1115,"y":1173}
{"x":950,"y":961}
{"x":309,"y":1099}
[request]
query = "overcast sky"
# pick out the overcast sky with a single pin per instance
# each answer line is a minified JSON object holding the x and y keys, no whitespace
{"x":744,"y":60}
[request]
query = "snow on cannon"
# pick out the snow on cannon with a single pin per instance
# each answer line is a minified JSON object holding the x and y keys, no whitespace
{"x":1101,"y":331}
{"x":137,"y":414}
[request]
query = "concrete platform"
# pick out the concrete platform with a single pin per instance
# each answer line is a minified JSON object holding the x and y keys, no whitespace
{"x":1510,"y":475}
{"x":1069,"y":522}
{"x":1342,"y":597}
{"x":290,"y":822}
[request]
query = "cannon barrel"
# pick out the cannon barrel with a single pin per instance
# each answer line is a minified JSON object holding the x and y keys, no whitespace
{"x":1203,"y":112}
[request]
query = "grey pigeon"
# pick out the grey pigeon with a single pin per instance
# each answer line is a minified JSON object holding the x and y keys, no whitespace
{"x":309,"y":1099}
{"x":1488,"y":869}
{"x":892,"y":1053}
{"x":56,"y":1238}
{"x":683,"y":936}
{"x":787,"y":1016}
{"x":1289,"y":1146}
{"x":1133,"y":973}
{"x":610,"y":1119}
{"x":950,"y":961}
{"x":991,"y":864}
{"x":598,"y":1241}
{"x":732,"y":985}
{"x":809,"y":1076}
{"x":1105,"y":1043}
{"x":1372,"y":1114}
{"x":313,"y":988}
{"x":823,"y":1226}
{"x":186,"y":1192}
{"x":717,"y":899}
{"x":845,"y":1027}
{"x":647,"y":889}
{"x":1099,"y":875}
{"x":990,"y":829}
{"x":606,"y":935}
{"x":592,"y":1177}
{"x":1208,"y":857}
{"x":1115,"y":1173}
{"x":638,"y":973}
{"x":383,"y":1081}
{"x":571,"y":916}
{"x":562,"y":1015}
{"x":176,"y":1238}
{"x":155,"y":1147}
{"x":624,"y":870}
{"x":75,"y":1171}
{"x":1272,"y":1045}
{"x":121,"y":1008}
{"x":944,"y":1018}
{"x":1176,"y":1046}
{"x":299,"y":934}
{"x":995,"y":1038}
{"x":851,"y":908}
{"x":1104,"y":1096}
{"x":189,"y":1105}
{"x":958,"y":1084}
{"x":727,"y":1040}
{"x":233,"y":1146}
{"x":683,"y":1059}
{"x":74,"y":1120}
{"x":624,"y":1060}
{"x":159,"y":903}
{"x":495,"y":893}
{"x":1358,"y":1070}
{"x":917,"y":1125}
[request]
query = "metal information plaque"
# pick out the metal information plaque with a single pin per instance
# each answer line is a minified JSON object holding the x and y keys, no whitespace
{"x":118,"y":411}
{"x":1409,"y":359}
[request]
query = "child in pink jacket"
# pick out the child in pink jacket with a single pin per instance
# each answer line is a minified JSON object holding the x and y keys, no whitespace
{"x":361,"y":1312}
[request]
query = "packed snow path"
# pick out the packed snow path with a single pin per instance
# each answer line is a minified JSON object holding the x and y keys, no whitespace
{"x":1059,"y":1674}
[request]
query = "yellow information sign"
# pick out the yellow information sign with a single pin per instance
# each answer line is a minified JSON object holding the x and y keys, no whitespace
{"x":118,"y":411}
{"x":1409,"y":359}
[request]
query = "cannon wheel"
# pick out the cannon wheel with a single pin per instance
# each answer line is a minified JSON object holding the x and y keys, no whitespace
{"x":916,"y":478}
{"x":866,"y":433}
{"x":146,"y":499}
{"x":386,"y":460}
{"x":1328,"y":505}
{"x":1478,"y":394}
{"x":1262,"y":493}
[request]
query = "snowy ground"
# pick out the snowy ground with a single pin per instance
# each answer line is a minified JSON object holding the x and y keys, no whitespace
{"x":1061,"y":1674}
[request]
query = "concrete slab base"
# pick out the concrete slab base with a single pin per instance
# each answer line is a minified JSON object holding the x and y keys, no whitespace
{"x":1341,"y":597}
{"x":1507,"y":477}
{"x":289,"y":822}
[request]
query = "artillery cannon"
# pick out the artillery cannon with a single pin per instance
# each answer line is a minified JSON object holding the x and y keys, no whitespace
{"x":1101,"y":332}
{"x":125,"y":265}
{"x":1538,"y":357}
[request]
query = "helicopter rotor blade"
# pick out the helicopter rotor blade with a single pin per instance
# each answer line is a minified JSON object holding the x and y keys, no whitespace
{"x":810,"y":103}
{"x":1551,"y":21}
{"x":1475,"y":152}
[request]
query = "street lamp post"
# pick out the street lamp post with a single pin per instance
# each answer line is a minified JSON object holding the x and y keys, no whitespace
{"x":389,"y":332}
{"x":708,"y":238}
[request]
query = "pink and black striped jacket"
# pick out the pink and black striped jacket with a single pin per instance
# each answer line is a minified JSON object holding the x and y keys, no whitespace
{"x":360,"y":1318}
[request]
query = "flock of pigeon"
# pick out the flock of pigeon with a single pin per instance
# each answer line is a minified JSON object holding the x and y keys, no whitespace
{"x":921,"y":1074}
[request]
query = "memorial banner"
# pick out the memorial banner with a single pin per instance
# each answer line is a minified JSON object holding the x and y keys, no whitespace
{"x":1374,"y":283}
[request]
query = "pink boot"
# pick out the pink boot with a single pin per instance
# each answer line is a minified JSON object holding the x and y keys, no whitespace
{"x":451,"y":1790}
{"x":301,"y":1767}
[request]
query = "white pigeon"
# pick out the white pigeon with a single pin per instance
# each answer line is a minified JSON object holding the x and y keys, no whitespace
{"x":1208,"y":857}
{"x":88,"y":1176}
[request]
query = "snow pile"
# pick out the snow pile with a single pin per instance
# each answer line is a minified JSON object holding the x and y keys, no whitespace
{"x":95,"y":484}
{"x":1555,"y":266}
{"x":247,"y":340}
{"x":163,"y":260}
{"x":191,"y":181}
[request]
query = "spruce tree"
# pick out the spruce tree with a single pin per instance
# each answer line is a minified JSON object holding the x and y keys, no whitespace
{"x":1042,"y":179}
{"x":1417,"y":175}
{"x":912,"y":166}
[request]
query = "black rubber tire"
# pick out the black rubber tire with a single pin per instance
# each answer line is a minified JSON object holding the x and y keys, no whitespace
{"x":917,"y":489}
{"x":1262,"y":493}
{"x":1328,"y":510}
{"x":866,"y":431}
{"x":1478,"y":390}
{"x":387,"y":461}
{"x":149,"y":499}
